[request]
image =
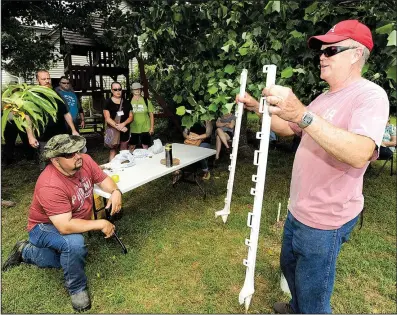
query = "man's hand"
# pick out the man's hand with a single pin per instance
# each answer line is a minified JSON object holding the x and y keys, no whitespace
{"x":250,"y":103}
{"x":287,"y":105}
{"x":151,"y":131}
{"x":75,"y":133}
{"x":33,"y":142}
{"x":115,"y":201}
{"x":82,"y":124}
{"x":108,"y":228}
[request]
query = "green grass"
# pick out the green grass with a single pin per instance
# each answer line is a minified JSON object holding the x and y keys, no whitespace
{"x":183,"y":260}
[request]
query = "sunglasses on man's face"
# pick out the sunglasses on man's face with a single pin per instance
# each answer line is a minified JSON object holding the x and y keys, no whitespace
{"x":69,"y":156}
{"x":118,"y":90}
{"x":333,"y":50}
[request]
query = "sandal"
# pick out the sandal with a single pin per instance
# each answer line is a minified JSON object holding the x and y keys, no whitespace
{"x":176,"y":176}
{"x":206,"y":176}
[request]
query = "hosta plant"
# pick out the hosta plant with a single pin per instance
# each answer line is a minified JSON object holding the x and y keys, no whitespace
{"x":21,"y":100}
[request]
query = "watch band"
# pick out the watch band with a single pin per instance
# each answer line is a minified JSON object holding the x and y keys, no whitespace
{"x":115,"y":190}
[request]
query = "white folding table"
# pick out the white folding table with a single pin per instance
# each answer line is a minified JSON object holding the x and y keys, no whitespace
{"x":148,"y":169}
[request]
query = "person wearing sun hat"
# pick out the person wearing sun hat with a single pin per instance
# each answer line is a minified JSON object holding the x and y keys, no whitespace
{"x":61,"y":212}
{"x":142,"y":127}
{"x":341,"y":132}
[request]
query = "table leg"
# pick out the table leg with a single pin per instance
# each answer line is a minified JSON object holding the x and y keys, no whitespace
{"x":184,"y":178}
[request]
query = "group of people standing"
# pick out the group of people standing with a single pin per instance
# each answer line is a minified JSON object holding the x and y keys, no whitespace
{"x":132,"y":118}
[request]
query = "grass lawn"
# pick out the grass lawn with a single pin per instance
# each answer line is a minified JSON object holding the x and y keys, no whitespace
{"x":183,"y":260}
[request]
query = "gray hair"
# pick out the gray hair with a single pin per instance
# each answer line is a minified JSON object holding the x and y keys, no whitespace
{"x":365,"y":54}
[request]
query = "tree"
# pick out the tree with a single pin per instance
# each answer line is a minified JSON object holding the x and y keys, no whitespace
{"x":200,"y":48}
{"x":23,"y":52}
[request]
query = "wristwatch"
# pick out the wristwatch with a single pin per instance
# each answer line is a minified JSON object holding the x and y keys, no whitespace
{"x":115,"y":190}
{"x":306,"y":120}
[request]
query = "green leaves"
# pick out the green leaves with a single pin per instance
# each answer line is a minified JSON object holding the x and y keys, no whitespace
{"x":181,"y":110}
{"x":211,"y":40}
{"x":297,"y":34}
{"x":391,"y":40}
{"x":187,"y":121}
{"x":229,"y":69}
{"x":243,"y":51}
{"x":178,"y":99}
{"x":287,"y":73}
{"x":177,"y":17}
{"x":35,"y":101}
{"x":391,"y":73}
{"x":385,"y":29}
{"x":213,"y":89}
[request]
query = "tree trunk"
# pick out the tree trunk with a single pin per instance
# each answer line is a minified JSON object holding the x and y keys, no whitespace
{"x":244,"y":149}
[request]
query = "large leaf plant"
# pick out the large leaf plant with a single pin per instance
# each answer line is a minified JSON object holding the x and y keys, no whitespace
{"x":21,"y":100}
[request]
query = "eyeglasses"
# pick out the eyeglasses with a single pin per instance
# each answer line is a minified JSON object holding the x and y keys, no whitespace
{"x":333,"y":50}
{"x":65,"y":83}
{"x":120,"y":89}
{"x":69,"y":156}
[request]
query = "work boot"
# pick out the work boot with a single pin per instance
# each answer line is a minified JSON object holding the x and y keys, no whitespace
{"x":15,"y":257}
{"x":283,"y":308}
{"x":81,"y":301}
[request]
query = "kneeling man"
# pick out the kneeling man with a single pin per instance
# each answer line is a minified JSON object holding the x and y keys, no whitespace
{"x":61,"y":211}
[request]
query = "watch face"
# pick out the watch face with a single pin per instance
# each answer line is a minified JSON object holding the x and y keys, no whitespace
{"x":306,"y":120}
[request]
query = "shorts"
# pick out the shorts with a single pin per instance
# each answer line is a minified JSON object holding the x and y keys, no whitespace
{"x":144,"y":138}
{"x":124,"y":136}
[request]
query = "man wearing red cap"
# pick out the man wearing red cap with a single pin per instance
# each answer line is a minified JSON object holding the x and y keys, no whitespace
{"x":341,"y":132}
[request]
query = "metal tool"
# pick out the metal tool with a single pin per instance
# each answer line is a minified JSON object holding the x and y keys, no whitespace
{"x":109,"y":217}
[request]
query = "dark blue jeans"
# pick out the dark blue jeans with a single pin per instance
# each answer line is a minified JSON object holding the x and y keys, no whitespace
{"x":48,"y":248}
{"x":308,"y":261}
{"x":204,"y":162}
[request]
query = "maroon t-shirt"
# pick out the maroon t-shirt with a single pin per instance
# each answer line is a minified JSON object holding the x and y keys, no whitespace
{"x":56,"y":193}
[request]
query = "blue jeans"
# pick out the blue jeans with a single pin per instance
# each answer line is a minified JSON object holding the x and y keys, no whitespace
{"x":47,"y":248}
{"x":204,"y":162}
{"x":308,"y":262}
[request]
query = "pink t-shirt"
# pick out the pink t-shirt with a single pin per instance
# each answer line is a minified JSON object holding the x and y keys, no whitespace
{"x":326,"y":193}
{"x":56,"y":193}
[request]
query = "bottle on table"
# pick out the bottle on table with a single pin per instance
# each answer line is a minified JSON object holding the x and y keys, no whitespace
{"x":168,"y":155}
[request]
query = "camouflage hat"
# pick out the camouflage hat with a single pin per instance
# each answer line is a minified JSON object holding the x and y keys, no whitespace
{"x":61,"y":144}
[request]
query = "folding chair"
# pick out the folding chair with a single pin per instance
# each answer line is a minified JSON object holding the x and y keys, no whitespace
{"x":391,"y":159}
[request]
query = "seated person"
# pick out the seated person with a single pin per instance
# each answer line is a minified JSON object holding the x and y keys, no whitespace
{"x":388,"y":142}
{"x":203,"y":130}
{"x":224,"y":132}
{"x":61,"y":212}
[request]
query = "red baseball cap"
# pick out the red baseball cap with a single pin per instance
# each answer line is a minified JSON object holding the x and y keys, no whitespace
{"x":344,"y":30}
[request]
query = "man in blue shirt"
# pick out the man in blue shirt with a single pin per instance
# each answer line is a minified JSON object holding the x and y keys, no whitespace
{"x":66,"y":92}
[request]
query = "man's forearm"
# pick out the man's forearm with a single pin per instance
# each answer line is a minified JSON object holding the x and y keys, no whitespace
{"x":281,"y":127}
{"x":107,"y":185}
{"x":69,"y":121}
{"x":345,"y":146}
{"x":81,"y":226}
{"x":28,"y":128}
